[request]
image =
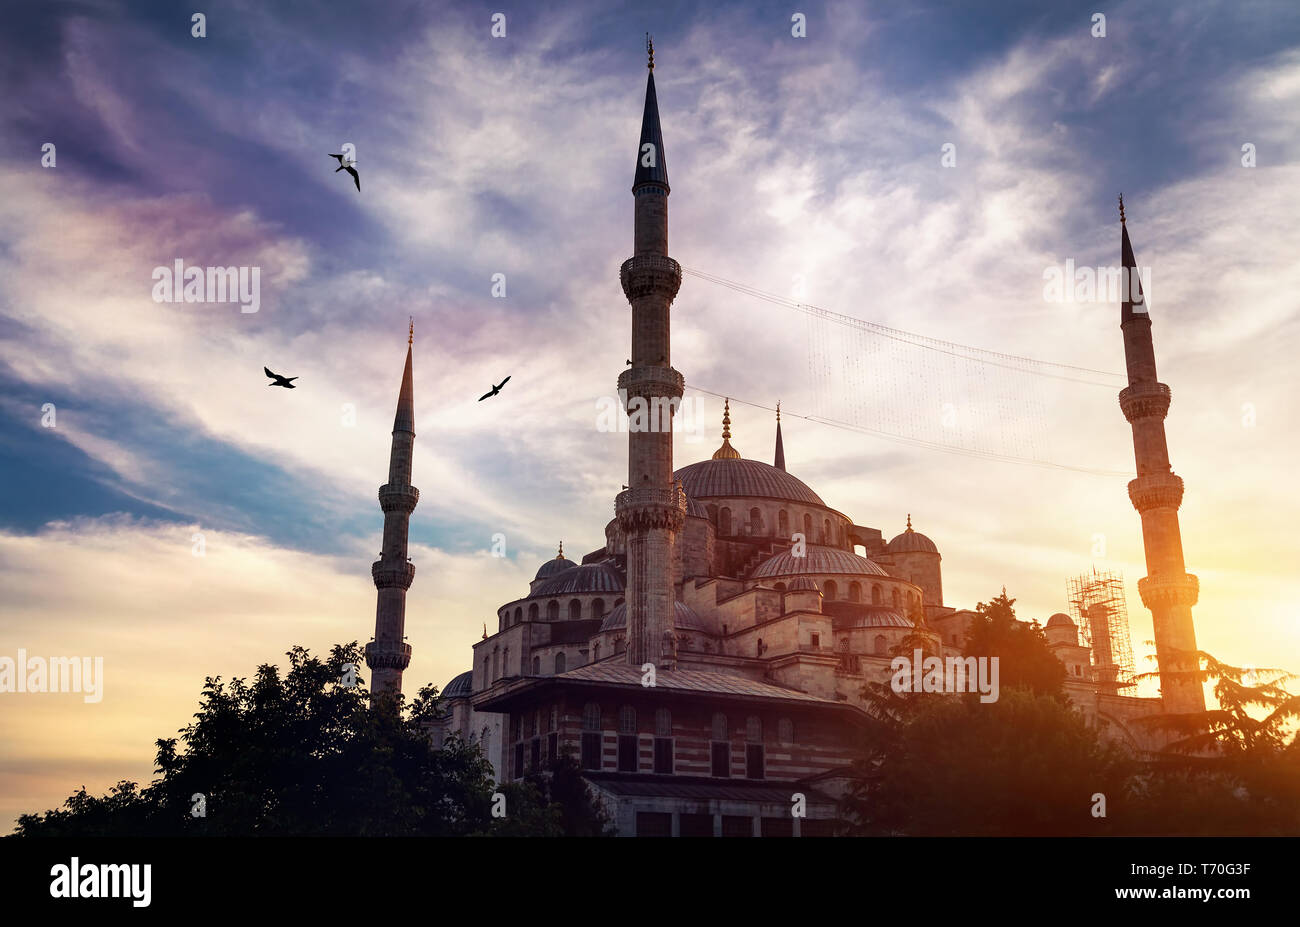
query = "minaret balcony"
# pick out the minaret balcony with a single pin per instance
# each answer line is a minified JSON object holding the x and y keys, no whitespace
{"x":1144,"y":400}
{"x":389,"y":575}
{"x":398,"y":497}
{"x":1160,"y":590}
{"x":650,"y":275}
{"x":638,"y":509}
{"x":388,"y":655}
{"x":651,"y":382}
{"x":1156,"y":491}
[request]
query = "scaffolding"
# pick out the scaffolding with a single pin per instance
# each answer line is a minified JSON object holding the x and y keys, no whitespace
{"x":1099,"y":609}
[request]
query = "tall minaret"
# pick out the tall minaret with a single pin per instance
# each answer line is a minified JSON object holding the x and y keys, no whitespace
{"x":1168,"y":590}
{"x":388,"y":654}
{"x":652,"y":509}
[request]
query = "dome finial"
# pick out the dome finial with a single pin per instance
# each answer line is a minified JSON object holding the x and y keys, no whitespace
{"x":726,"y":451}
{"x":650,"y":49}
{"x":1121,"y":209}
{"x":560,"y":555}
{"x":909,"y":521}
{"x":410,"y":332}
{"x":778,"y":410}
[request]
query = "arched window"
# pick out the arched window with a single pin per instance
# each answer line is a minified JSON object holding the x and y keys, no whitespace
{"x":895,"y":598}
{"x":663,"y":723}
{"x":575,"y":608}
{"x":829,"y":589}
{"x":496,"y":664}
{"x":487,"y":677}
{"x":561,"y":664}
{"x":532,"y":612}
{"x":719,"y":726}
{"x":785,"y":731}
{"x":756,"y":522}
{"x":754,"y":729}
{"x":595,"y":652}
{"x":505,"y":662}
{"x":598,"y":608}
{"x":591,"y":717}
{"x":780,"y":587}
{"x":553,"y":722}
{"x":553,"y":610}
{"x":724,"y":521}
{"x":855,"y":592}
{"x":519,"y":615}
{"x":537,"y":666}
{"x":877,"y":597}
{"x":882,"y":646}
{"x":627,"y":720}
{"x":783,"y":523}
{"x":807,"y":528}
{"x":826,"y":531}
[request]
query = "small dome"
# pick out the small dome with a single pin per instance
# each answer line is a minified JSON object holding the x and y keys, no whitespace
{"x":554,"y":567}
{"x":1060,"y":621}
{"x":803,"y":584}
{"x":460,"y":687}
{"x":684,"y":618}
{"x":695,"y":508}
{"x":818,"y":560}
{"x":869,"y":616}
{"x":590,"y":577}
{"x":912,"y":542}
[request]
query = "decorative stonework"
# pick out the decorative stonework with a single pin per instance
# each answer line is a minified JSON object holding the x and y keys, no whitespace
{"x":650,"y":382}
{"x":641,"y":509}
{"x":388,"y":655}
{"x":388,"y":577}
{"x":1156,"y":491}
{"x":1158,"y":591}
{"x":398,"y":498}
{"x":1144,"y":400}
{"x":649,"y":275}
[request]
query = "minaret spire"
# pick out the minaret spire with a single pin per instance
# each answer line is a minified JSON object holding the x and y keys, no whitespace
{"x":389,"y":654}
{"x":1168,"y":590}
{"x":652,"y":509}
{"x":779,"y":461}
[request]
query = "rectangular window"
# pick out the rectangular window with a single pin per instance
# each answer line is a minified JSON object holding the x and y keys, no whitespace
{"x":754,"y":761}
{"x":664,"y":755}
{"x":721,"y":755}
{"x":695,"y":825}
{"x":591,"y":750}
{"x":654,"y":824}
{"x":778,"y":827}
{"x":627,"y":747}
{"x":736,"y":826}
{"x":552,"y":747}
{"x":519,"y":761}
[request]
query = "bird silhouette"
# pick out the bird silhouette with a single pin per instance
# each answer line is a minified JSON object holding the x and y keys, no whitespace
{"x":286,"y":382}
{"x":496,"y":389}
{"x":347,"y":166}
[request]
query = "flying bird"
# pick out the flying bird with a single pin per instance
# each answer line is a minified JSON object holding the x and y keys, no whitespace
{"x":286,"y":382}
{"x":496,"y":389}
{"x":347,"y":166}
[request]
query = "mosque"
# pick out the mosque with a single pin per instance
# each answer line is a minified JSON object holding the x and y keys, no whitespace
{"x":706,"y":663}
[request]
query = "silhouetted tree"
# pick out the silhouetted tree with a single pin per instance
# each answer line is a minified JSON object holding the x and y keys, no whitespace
{"x":1024,"y":660}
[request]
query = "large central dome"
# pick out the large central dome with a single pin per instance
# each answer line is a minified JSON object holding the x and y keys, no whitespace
{"x":729,"y":478}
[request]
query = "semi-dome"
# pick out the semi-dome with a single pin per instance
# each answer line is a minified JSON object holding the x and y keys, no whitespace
{"x":868,"y":616}
{"x":684,"y":618}
{"x":460,"y":687}
{"x":590,"y":577}
{"x":818,"y":560}
{"x":803,"y":584}
{"x":554,"y":567}
{"x":912,"y":542}
{"x":695,"y":508}
{"x":737,"y":477}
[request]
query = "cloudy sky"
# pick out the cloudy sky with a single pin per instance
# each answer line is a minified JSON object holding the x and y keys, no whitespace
{"x":806,"y":168}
